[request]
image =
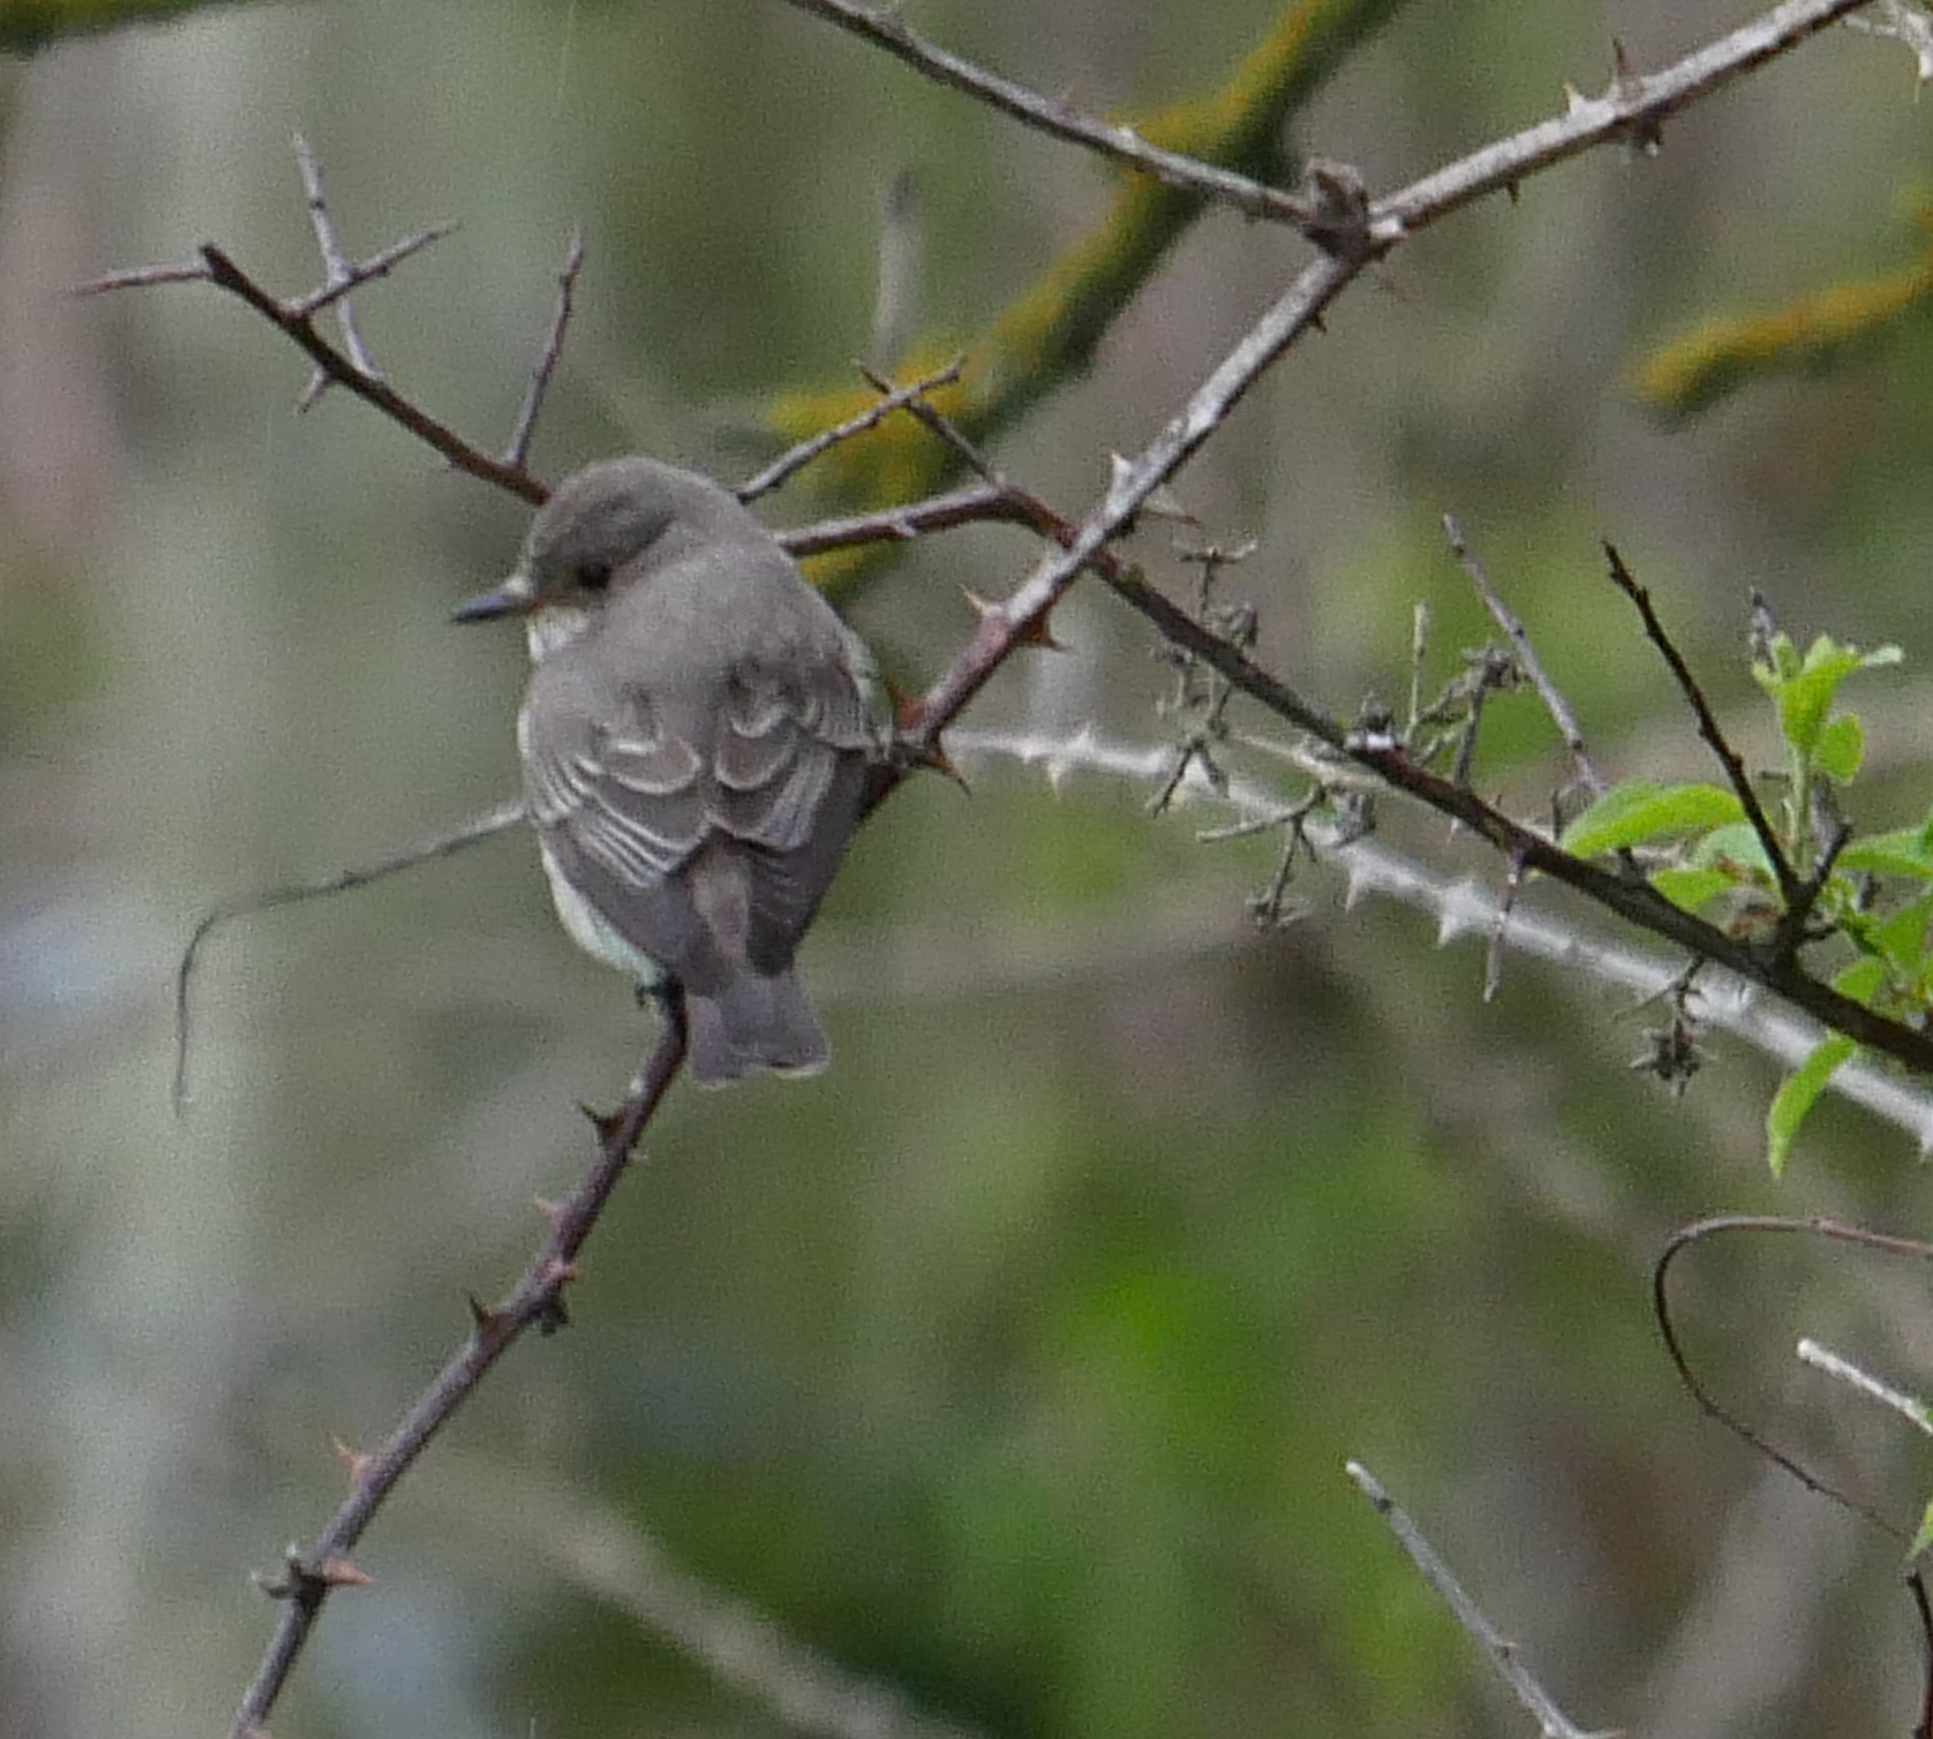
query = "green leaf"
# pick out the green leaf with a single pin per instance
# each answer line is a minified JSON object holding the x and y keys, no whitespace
{"x":1795,"y":1097}
{"x":1924,"y":1537}
{"x":1689,"y":889}
{"x":1862,"y":980}
{"x":1805,"y":699}
{"x":1901,"y":938}
{"x":1907,"y":851}
{"x":1842,"y":748}
{"x":1642,"y":810}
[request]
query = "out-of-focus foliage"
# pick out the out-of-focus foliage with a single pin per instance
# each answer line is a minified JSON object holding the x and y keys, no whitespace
{"x":33,"y":24}
{"x":1724,"y":353}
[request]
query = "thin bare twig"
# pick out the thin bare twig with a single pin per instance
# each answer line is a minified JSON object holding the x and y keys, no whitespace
{"x":972,"y":504}
{"x":1909,"y":1407}
{"x":145,"y":277}
{"x":1701,"y":1231}
{"x":517,"y":452}
{"x":537,"y":1300}
{"x":937,"y":423}
{"x":1513,"y":885}
{"x":1058,"y":120}
{"x":896,"y":398}
{"x":1885,"y":1244}
{"x":376,"y":266}
{"x":482,"y":827}
{"x":1795,"y":922}
{"x":335,"y":267}
{"x":299,"y":325}
{"x":1588,"y":773}
{"x":1504,"y":1654}
{"x":1634,"y":108}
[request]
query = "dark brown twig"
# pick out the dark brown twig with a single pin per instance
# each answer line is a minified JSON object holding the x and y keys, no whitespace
{"x":1701,"y":1231}
{"x":296,"y":321}
{"x":1791,"y":889}
{"x":1795,"y":923}
{"x":1832,"y":1230}
{"x":535,"y":1301}
{"x":517,"y":453}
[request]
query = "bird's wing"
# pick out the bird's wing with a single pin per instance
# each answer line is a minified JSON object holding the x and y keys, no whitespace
{"x":621,"y":809}
{"x":771,"y":766}
{"x":788,"y":779}
{"x":629,"y":793}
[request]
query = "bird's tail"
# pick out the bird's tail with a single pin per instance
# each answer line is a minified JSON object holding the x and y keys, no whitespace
{"x":754,"y":1022}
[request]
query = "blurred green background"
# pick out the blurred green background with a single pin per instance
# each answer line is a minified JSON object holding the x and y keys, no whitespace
{"x":1014,"y":1363}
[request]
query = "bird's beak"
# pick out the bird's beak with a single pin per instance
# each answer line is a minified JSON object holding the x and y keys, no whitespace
{"x":515,"y":597}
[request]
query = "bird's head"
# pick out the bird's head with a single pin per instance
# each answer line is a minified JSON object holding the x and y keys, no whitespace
{"x":604,"y":529}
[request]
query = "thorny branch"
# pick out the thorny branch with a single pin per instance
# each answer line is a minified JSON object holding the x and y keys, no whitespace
{"x":537,"y":1300}
{"x":1354,"y":232}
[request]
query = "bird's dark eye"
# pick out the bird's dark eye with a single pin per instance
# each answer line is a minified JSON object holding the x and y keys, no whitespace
{"x":594,"y":576}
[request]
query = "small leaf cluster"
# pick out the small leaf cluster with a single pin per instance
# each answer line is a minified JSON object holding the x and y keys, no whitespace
{"x":1699,"y":846}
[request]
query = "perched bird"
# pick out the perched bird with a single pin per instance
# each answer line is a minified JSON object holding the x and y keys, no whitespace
{"x":695,"y":743}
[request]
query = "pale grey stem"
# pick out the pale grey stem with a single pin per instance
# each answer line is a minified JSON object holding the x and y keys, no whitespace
{"x":1552,"y":1722}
